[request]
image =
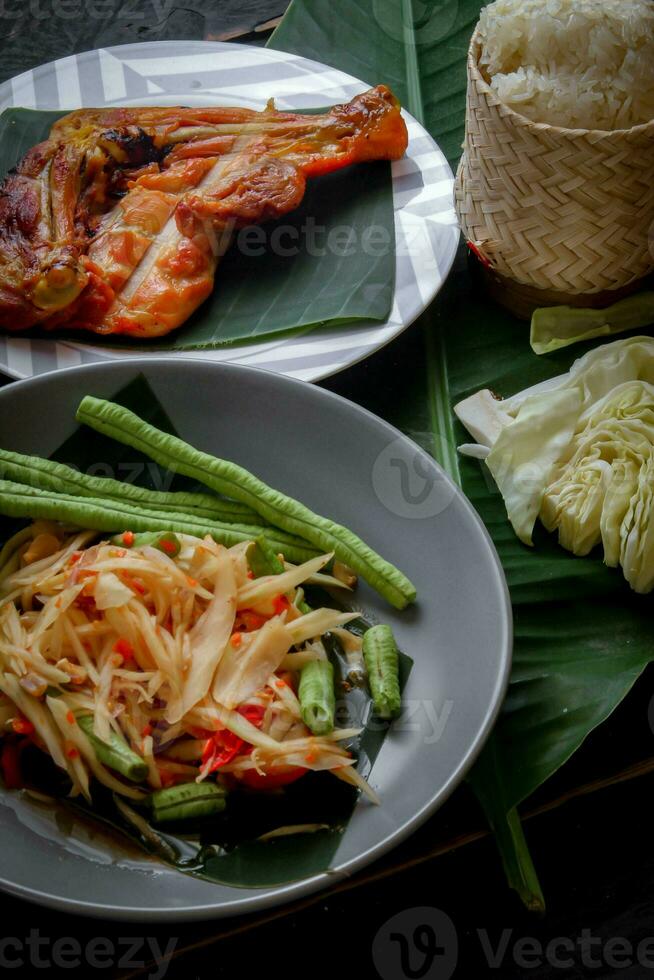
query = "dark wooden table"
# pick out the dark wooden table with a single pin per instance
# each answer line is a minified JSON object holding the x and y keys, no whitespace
{"x":589,"y":828}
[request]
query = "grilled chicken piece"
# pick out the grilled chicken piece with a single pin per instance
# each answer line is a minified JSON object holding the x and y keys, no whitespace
{"x":116,"y":223}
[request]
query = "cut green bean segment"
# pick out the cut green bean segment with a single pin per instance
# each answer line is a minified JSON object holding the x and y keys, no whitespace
{"x":17,"y":500}
{"x":262,"y":558}
{"x":382,"y":664}
{"x":554,"y":327}
{"x":115,"y":753}
{"x":187,"y":801}
{"x":166,"y":541}
{"x":46,"y":474}
{"x":316,"y":696}
{"x":233,"y":481}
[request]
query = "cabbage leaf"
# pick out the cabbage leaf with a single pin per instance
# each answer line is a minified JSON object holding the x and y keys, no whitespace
{"x":578,"y":453}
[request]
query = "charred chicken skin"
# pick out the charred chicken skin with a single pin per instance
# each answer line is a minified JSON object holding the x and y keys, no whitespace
{"x":116,"y":223}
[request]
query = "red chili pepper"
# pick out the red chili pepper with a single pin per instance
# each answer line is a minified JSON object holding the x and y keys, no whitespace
{"x":169,"y":547}
{"x":10,"y":764}
{"x":280,"y":604}
{"x":134,"y":584}
{"x":221,"y":749}
{"x":253,"y":713}
{"x":124,"y":648}
{"x":223,"y":745}
{"x":22,"y":726}
{"x":236,"y":639}
{"x":70,"y":718}
{"x":128,"y":539}
{"x":147,"y":730}
{"x":280,"y":776}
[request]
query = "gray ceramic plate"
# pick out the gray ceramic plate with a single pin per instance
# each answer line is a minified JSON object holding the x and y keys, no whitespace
{"x":346,"y":463}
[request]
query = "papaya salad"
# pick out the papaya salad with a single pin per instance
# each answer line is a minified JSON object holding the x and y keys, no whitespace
{"x":171,"y":666}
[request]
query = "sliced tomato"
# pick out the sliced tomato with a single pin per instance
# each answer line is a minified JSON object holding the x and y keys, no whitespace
{"x":280,"y":776}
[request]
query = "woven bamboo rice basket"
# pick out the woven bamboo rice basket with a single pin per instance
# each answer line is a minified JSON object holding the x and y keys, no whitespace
{"x":557,"y":216}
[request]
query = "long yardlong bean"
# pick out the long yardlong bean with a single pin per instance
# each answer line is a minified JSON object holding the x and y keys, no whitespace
{"x":237,"y":483}
{"x":46,"y":474}
{"x":99,"y":514}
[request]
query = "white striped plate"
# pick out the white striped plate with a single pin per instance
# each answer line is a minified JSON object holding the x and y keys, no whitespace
{"x":201,"y":73}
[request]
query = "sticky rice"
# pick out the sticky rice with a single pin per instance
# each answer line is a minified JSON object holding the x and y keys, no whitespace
{"x":585,"y":64}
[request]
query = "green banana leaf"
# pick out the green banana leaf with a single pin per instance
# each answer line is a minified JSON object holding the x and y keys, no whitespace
{"x":417,"y":47}
{"x":262,"y":291}
{"x":582,"y":638}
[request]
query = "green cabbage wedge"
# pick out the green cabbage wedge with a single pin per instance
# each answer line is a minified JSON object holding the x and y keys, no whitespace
{"x":578,"y":453}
